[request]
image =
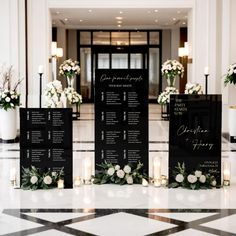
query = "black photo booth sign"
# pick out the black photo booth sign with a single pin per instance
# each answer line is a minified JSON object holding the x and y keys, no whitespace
{"x":121,"y":117}
{"x":195,"y":134}
{"x":46,"y":140}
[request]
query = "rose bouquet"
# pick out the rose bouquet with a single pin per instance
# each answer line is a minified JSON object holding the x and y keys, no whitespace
{"x":34,"y":178}
{"x":164,"y":97}
{"x":172,"y":68}
{"x":69,"y":68}
{"x":194,"y":180}
{"x":193,"y":89}
{"x":115,"y":174}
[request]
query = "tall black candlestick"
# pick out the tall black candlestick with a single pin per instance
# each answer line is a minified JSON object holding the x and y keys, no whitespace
{"x":40,"y":89}
{"x":206,"y":84}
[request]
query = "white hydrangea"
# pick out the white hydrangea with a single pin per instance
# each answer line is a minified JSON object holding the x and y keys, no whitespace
{"x":164,"y":97}
{"x":191,"y":88}
{"x":172,"y":68}
{"x":129,"y":179}
{"x":213,"y":183}
{"x":117,"y":167}
{"x":69,"y":68}
{"x":72,"y":96}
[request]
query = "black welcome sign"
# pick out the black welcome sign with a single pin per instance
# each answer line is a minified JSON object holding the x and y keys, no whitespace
{"x":121,"y":117}
{"x":46,"y":140}
{"x":195,"y":134}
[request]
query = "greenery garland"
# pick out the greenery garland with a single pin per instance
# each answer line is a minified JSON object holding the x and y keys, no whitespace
{"x":114,"y":174}
{"x":34,"y":178}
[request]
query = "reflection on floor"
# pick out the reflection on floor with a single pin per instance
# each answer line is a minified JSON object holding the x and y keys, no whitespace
{"x":115,"y":210}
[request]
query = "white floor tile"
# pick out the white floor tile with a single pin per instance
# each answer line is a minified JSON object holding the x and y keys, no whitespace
{"x":191,"y":232}
{"x":51,"y":232}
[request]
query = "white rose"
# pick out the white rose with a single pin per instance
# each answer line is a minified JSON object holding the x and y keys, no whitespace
{"x":34,"y":179}
{"x":111,"y":171}
{"x":202,"y":179}
{"x":117,"y":167}
{"x":12,"y":105}
{"x":54,"y":173}
{"x":7,"y":99}
{"x":120,"y":174}
{"x":127,"y":169}
{"x":213,"y":183}
{"x":129,"y":179}
{"x":179,"y":178}
{"x":144,"y":182}
{"x":192,"y":179}
{"x":47,"y":180}
{"x":198,"y":173}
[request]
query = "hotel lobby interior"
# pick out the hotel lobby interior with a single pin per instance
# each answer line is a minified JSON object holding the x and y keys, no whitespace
{"x":121,"y":52}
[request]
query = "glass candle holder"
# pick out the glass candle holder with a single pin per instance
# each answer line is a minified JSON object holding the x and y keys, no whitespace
{"x":226,"y":173}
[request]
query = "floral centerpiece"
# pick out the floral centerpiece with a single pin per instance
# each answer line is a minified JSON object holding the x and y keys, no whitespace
{"x":53,"y":92}
{"x":9,"y":97}
{"x":170,"y":69}
{"x":72,"y":96}
{"x":69,"y":69}
{"x":231,"y":75}
{"x":164,"y":97}
{"x":194,"y":180}
{"x":34,"y":178}
{"x":193,"y":89}
{"x":115,"y":174}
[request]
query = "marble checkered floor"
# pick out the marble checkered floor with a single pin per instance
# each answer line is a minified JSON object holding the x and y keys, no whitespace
{"x":116,"y":210}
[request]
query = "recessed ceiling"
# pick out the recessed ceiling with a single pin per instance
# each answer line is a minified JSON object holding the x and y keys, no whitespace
{"x":119,"y":19}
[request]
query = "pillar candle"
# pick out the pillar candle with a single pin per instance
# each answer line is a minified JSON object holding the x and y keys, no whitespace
{"x":206,"y":70}
{"x":40,"y":69}
{"x":156,"y":168}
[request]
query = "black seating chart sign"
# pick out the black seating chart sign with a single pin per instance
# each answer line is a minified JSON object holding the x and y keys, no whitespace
{"x":46,"y":140}
{"x":121,"y":117}
{"x":195,"y":134}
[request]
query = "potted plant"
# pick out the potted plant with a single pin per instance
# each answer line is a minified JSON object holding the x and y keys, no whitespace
{"x":9,"y":101}
{"x":170,"y":69}
{"x":230,"y":78}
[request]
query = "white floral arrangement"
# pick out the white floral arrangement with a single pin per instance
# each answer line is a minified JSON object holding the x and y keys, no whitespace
{"x":9,"y":97}
{"x":69,"y":68}
{"x":231,"y":75}
{"x":164,"y":97}
{"x":193,"y":89}
{"x":115,"y":174}
{"x":52,"y":93}
{"x":72,"y":96}
{"x":34,"y":178}
{"x":194,"y":180}
{"x":172,"y":68}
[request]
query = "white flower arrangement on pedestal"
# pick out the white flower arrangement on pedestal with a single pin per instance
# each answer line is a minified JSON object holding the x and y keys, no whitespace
{"x":193,"y":89}
{"x":69,"y":68}
{"x":72,"y":96}
{"x":193,"y":180}
{"x":172,"y":68}
{"x":53,"y":92}
{"x":164,"y":97}
{"x":114,"y":174}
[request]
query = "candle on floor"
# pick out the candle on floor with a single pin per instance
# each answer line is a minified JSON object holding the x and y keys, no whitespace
{"x":87,"y":168}
{"x":77,"y":181}
{"x":60,"y":184}
{"x":226,"y":173}
{"x":157,"y":183}
{"x":156,"y":168}
{"x":13,"y":175}
{"x":163,"y":180}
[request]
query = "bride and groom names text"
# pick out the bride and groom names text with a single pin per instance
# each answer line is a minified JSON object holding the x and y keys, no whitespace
{"x":196,"y":142}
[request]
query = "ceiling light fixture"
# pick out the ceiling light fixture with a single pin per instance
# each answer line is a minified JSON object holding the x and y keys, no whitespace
{"x":178,"y":12}
{"x":81,"y":20}
{"x":58,"y":12}
{"x":174,"y":19}
{"x":66,"y":19}
{"x":156,"y":20}
{"x":119,"y":18}
{"x":121,"y":12}
{"x":119,"y":22}
{"x":119,"y":25}
{"x":155,"y":10}
{"x":184,"y":23}
{"x":89,"y":10}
